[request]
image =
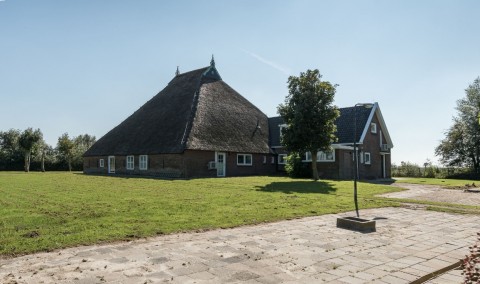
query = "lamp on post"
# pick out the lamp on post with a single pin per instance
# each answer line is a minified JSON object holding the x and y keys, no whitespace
{"x":365,"y":105}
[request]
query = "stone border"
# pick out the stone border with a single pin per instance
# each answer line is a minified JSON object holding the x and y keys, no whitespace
{"x":434,"y":274}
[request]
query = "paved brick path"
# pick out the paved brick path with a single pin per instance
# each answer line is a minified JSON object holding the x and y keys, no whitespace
{"x":407,"y":245}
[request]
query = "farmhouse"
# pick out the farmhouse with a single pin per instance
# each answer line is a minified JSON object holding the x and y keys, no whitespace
{"x":198,"y":126}
{"x":373,"y":145}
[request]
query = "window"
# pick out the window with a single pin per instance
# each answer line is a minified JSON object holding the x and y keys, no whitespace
{"x":282,"y":126}
{"x":264,"y":159}
{"x":328,"y":156}
{"x":143,"y":162}
{"x":101,"y":163}
{"x":281,"y":159}
{"x":244,"y":159}
{"x":273,"y":160}
{"x":373,"y":127}
{"x":130,"y":162}
{"x":367,"y":158}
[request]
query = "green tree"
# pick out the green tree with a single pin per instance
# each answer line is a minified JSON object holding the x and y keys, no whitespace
{"x":310,"y":115}
{"x":27,"y":141}
{"x":66,"y":149}
{"x":10,"y":152}
{"x":43,"y":152}
{"x":461,"y":146}
{"x":81,"y":144}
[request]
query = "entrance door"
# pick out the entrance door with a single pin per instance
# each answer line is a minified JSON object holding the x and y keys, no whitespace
{"x":346,"y":166}
{"x":383,"y":173}
{"x":220,"y":158}
{"x":111,"y":164}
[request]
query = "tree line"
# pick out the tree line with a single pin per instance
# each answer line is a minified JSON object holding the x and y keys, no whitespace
{"x":27,"y":150}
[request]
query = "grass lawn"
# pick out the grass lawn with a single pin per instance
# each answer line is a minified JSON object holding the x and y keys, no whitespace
{"x":452,"y":183}
{"x":46,"y":211}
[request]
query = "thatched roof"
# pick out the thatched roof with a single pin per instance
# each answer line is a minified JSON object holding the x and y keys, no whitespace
{"x":196,"y":110}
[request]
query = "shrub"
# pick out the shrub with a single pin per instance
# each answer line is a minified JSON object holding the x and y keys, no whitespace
{"x":471,"y":264}
{"x":295,"y":168}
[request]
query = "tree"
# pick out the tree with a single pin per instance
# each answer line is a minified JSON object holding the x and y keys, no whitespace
{"x":27,"y":141}
{"x":10,"y":152}
{"x":71,"y":150}
{"x":461,"y":146}
{"x":65,"y":147}
{"x":310,"y":115}
{"x":81,"y":144}
{"x":42,"y":149}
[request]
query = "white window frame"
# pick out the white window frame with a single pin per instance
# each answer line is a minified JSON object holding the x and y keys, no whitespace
{"x":373,"y":127}
{"x":281,"y":159}
{"x":368,"y":161}
{"x":130,"y":162}
{"x":101,"y":163}
{"x":143,"y":162}
{"x":321,"y":157}
{"x":244,"y":162}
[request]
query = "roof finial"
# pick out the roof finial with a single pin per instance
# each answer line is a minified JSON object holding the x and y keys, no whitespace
{"x":177,"y":72}
{"x":212,"y":62}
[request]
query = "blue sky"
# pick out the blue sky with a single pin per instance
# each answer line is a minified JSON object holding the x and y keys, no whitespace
{"x":85,"y":66}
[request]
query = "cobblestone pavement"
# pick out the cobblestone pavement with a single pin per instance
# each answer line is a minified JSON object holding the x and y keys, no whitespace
{"x":435,"y":193}
{"x":407,"y":245}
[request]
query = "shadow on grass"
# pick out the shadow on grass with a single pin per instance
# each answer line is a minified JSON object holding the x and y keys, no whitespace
{"x":386,"y":181}
{"x":298,"y":187}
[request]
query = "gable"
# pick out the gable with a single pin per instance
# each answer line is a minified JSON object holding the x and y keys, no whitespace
{"x":345,"y":125}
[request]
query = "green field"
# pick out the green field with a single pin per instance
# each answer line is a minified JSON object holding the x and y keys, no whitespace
{"x":46,"y":211}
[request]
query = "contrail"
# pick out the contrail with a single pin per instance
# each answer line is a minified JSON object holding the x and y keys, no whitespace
{"x":280,"y":68}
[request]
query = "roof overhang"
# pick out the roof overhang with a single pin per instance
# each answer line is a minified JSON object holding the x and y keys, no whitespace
{"x":376,"y":111}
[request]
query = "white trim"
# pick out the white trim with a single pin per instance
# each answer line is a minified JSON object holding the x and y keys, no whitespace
{"x":367,"y":125}
{"x":221,"y":166}
{"x":384,"y":174}
{"x":373,"y":127}
{"x":369,"y":160}
{"x":376,"y":110}
{"x":111,"y":168}
{"x":143,"y":162}
{"x":101,"y":163}
{"x":342,"y":146}
{"x":319,"y":155}
{"x":130,"y":164}
{"x":283,"y":159}
{"x":245,"y":162}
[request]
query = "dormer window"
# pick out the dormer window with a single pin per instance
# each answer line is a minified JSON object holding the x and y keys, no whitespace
{"x":282,"y":126}
{"x":373,"y":127}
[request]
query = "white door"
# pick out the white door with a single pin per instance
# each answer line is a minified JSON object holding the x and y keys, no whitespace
{"x":111,"y":164}
{"x":220,"y":158}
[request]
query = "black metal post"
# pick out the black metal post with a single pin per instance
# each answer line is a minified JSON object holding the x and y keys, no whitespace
{"x":355,"y":160}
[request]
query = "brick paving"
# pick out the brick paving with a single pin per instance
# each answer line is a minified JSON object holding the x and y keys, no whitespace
{"x":408,"y":244}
